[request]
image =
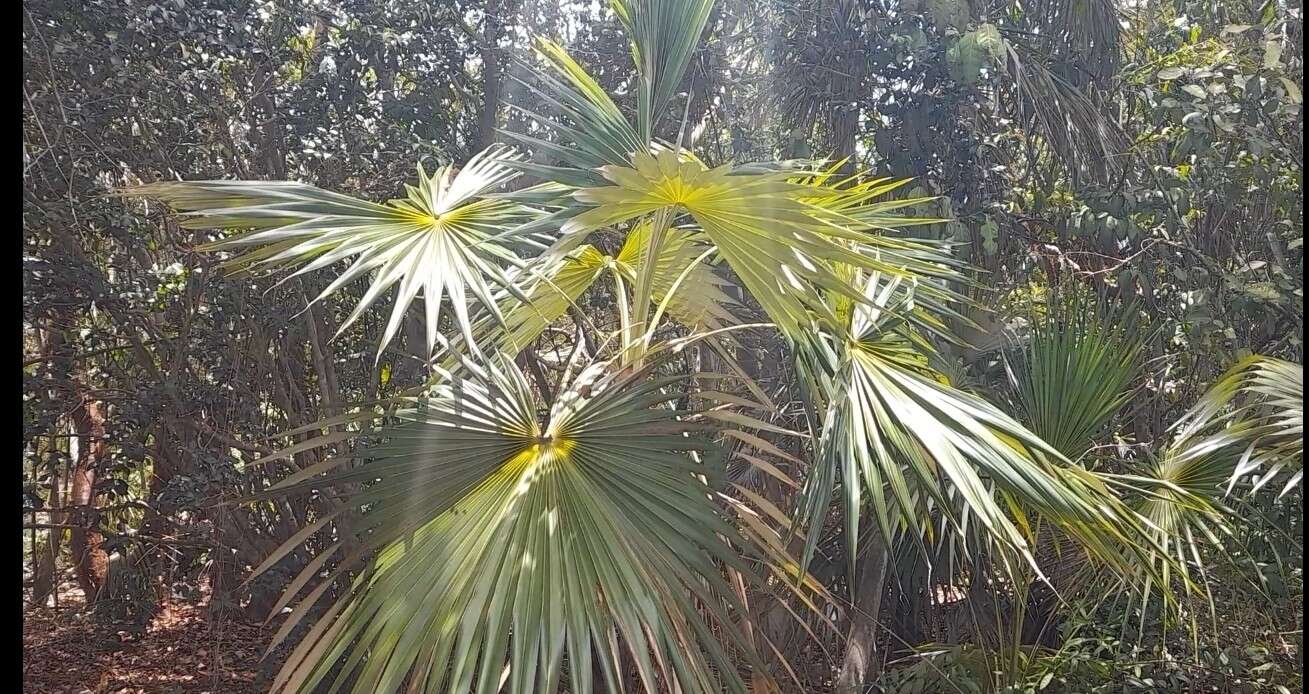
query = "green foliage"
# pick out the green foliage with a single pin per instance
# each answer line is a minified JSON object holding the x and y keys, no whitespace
{"x":1075,"y":372}
{"x":975,"y":50}
{"x":1257,"y":409}
{"x":550,"y":474}
{"x":899,"y":440}
{"x":531,"y":543}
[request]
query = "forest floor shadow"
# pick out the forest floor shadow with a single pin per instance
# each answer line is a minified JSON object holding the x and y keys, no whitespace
{"x":183,"y":651}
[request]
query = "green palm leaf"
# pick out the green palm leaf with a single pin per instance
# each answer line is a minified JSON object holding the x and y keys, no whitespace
{"x":442,"y":239}
{"x":1250,"y":418}
{"x":664,"y":35}
{"x":591,"y":130}
{"x":507,"y":547}
{"x":894,"y":436}
{"x":780,"y":232}
{"x":1075,"y":372}
{"x":1177,"y":494}
{"x":1066,"y":117}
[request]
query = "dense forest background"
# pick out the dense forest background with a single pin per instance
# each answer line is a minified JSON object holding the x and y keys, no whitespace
{"x":1149,"y":152}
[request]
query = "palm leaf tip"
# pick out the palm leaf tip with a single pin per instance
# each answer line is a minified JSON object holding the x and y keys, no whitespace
{"x":1250,"y":418}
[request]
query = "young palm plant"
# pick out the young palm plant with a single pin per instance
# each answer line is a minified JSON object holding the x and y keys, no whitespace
{"x":501,"y":534}
{"x":1076,"y":372}
{"x":1068,"y":378}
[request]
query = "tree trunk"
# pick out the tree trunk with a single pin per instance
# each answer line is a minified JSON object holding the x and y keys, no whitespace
{"x":89,"y":560}
{"x":323,"y":356}
{"x":164,"y":466}
{"x":45,"y":581}
{"x":862,"y":661}
{"x":497,"y":12}
{"x":845,"y":118}
{"x":985,"y":606}
{"x":845,"y":126}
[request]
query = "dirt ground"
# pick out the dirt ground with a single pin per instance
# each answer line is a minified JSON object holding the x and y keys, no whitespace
{"x":183,"y":651}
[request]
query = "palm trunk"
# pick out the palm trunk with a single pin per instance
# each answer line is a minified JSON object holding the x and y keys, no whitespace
{"x":862,"y":662}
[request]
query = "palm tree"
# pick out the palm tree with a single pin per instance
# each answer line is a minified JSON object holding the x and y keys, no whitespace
{"x":494,"y":531}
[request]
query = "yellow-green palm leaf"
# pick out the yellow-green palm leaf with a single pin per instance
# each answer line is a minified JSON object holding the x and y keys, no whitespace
{"x":552,"y":290}
{"x":506,"y":545}
{"x":697,"y":299}
{"x":781,"y":235}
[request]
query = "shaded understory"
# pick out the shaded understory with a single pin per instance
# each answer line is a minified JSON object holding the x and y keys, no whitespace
{"x":183,"y":651}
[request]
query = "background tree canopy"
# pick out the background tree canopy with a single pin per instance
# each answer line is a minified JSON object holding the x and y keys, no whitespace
{"x":1114,"y":187}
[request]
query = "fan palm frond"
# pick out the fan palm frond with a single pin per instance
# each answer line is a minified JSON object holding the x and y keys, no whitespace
{"x":506,"y":546}
{"x":443,"y":239}
{"x":591,"y":130}
{"x":1084,"y":36}
{"x":1075,"y":372}
{"x":1075,"y":128}
{"x":1250,"y":418}
{"x":559,"y":286}
{"x":664,"y":35}
{"x":685,"y":286}
{"x":1177,"y":495}
{"x":693,"y":292}
{"x":780,"y":235}
{"x":896,"y":438}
